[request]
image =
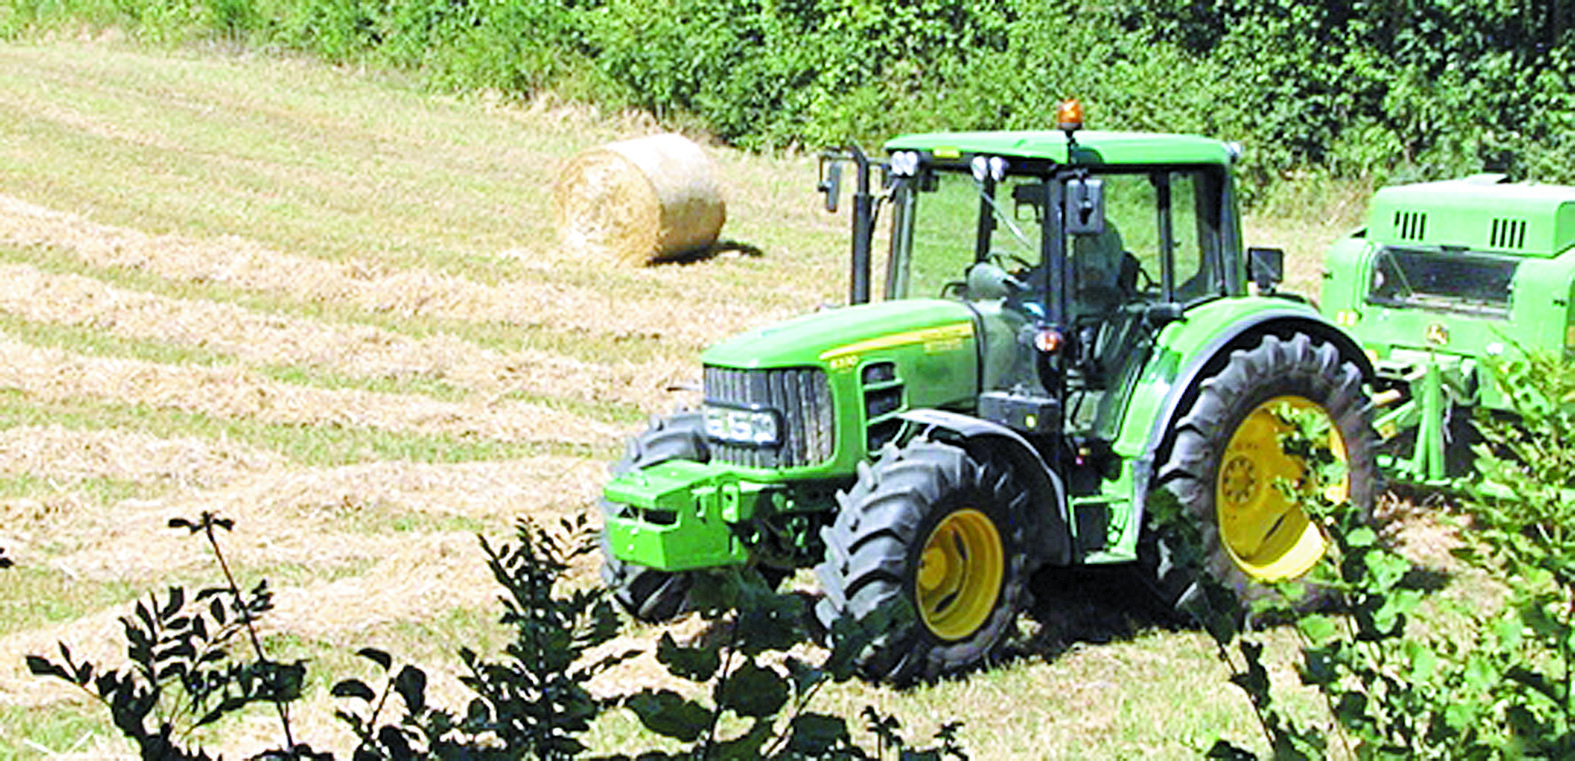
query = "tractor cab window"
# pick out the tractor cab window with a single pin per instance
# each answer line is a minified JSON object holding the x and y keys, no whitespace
{"x":1161,"y":238}
{"x":956,"y":221}
{"x":1144,"y":212}
{"x":1194,"y":229}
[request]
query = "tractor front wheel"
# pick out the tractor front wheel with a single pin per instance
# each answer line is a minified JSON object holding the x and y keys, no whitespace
{"x":939,"y":529}
{"x":1224,"y":457}
{"x":647,"y":593}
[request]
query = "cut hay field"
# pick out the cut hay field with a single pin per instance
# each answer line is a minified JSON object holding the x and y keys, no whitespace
{"x":332,"y":308}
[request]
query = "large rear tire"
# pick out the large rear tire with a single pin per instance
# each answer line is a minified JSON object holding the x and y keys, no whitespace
{"x":1224,"y":456}
{"x":943,"y":529}
{"x":647,"y":593}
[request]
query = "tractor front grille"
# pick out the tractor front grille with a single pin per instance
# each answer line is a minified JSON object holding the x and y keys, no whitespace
{"x":802,"y":398}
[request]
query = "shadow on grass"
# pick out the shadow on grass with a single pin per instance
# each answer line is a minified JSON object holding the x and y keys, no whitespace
{"x":1093,"y":605}
{"x":1100,"y":605}
{"x":723,"y":248}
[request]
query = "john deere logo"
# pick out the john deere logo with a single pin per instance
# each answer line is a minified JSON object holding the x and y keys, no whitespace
{"x":1437,"y":334}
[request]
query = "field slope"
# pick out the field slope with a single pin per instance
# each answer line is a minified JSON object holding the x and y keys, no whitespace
{"x":332,"y":308}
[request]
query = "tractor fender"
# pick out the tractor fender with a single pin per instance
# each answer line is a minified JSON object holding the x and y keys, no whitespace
{"x":1052,"y":542}
{"x":1213,"y":355}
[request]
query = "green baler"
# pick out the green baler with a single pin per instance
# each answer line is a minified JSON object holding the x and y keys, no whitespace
{"x":1444,"y":276}
{"x":1068,"y":327}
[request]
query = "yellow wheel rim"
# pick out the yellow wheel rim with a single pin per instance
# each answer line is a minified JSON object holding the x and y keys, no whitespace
{"x":959,"y":574}
{"x":1268,"y":536}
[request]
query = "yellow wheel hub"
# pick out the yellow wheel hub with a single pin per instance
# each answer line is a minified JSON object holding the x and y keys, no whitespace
{"x":1268,"y":536}
{"x":959,"y":574}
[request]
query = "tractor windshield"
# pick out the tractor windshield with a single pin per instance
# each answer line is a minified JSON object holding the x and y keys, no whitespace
{"x":955,"y":221}
{"x":1160,"y":238}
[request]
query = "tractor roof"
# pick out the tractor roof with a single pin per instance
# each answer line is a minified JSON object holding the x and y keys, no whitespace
{"x":1480,"y":212}
{"x":1093,"y":147}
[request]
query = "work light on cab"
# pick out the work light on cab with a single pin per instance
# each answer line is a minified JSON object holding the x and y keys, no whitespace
{"x":1069,"y":116}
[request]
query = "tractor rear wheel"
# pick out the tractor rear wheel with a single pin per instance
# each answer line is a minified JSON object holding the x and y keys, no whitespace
{"x":647,"y":593}
{"x":1224,"y":457}
{"x":939,"y":528}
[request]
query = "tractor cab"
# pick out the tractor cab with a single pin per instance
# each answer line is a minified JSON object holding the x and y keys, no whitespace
{"x":1071,"y":249}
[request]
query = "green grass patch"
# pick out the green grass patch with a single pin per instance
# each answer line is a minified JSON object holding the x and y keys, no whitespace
{"x":314,"y":445}
{"x":39,"y":732}
{"x":34,"y":596}
{"x":100,"y":491}
{"x":97,"y":343}
{"x":419,"y":384}
{"x":606,"y":411}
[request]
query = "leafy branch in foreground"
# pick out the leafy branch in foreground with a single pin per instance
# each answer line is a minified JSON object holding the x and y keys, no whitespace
{"x":181,"y":675}
{"x":1396,"y":688}
{"x":532,"y":701}
{"x":765,"y":694}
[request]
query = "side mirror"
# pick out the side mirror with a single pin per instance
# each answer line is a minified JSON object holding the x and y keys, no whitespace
{"x":830,"y":181}
{"x":1085,"y":206}
{"x":1032,"y":196}
{"x":1266,"y":267}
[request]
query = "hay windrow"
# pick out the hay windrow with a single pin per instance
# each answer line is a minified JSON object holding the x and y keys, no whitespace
{"x":229,"y":392}
{"x":282,"y":514}
{"x":65,"y":455}
{"x":361,"y":351}
{"x":245,"y":264}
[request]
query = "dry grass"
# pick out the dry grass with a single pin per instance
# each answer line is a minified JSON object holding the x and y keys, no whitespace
{"x":308,"y":233}
{"x":255,"y":338}
{"x":228,"y":392}
{"x":1303,"y":223}
{"x":370,"y":285}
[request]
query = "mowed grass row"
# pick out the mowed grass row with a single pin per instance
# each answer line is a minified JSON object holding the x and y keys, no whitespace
{"x":304,"y":228}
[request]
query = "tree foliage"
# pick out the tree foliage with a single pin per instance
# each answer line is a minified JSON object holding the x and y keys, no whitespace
{"x":1384,"y":91}
{"x":186,"y":672}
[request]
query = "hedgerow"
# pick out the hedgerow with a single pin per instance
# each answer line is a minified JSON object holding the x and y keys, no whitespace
{"x":1377,"y":91}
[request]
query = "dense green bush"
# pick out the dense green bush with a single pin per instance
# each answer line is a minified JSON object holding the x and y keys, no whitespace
{"x":1396,"y":90}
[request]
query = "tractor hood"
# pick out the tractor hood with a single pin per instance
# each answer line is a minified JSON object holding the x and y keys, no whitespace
{"x":847,"y":333}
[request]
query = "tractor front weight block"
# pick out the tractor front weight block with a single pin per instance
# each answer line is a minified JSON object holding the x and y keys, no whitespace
{"x":680,"y":516}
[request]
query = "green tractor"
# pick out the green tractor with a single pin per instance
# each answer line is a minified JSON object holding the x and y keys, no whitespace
{"x":1069,"y":327}
{"x":1444,"y":277}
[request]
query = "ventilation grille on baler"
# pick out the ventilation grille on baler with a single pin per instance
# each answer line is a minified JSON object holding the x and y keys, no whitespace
{"x":1507,"y":233}
{"x":1411,"y":225}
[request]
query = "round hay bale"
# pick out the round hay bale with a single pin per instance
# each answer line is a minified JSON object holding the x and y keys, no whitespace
{"x":640,"y":201}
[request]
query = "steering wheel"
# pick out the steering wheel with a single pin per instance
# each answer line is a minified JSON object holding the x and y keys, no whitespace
{"x":1004,"y":258}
